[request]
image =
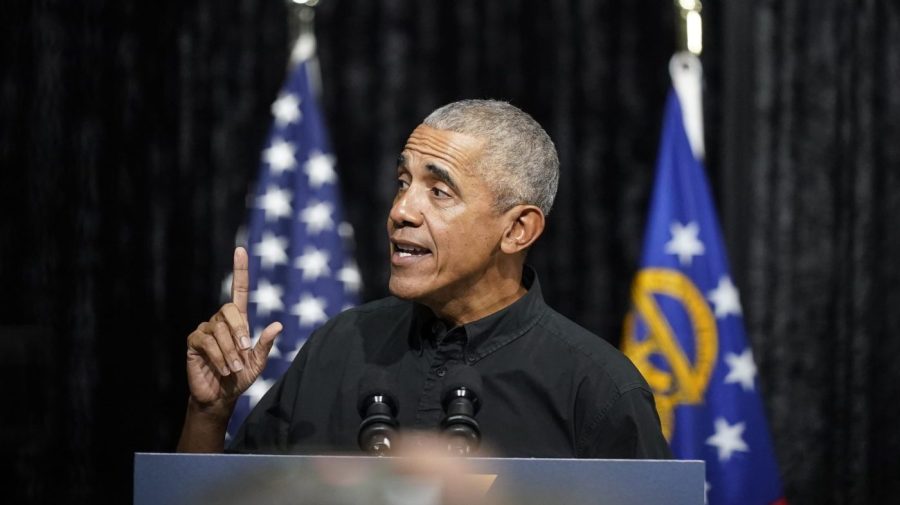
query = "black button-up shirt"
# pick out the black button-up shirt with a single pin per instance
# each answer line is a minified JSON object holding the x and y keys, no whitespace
{"x":550,"y":387}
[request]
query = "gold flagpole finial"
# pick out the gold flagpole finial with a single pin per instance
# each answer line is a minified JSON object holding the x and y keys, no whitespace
{"x":690,"y":25}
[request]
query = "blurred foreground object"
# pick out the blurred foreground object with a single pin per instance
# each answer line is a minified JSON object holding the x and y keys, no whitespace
{"x":422,"y":474}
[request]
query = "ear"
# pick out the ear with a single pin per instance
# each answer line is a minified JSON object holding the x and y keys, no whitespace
{"x":526,"y":223}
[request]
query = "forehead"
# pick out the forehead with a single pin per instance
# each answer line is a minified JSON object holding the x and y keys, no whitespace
{"x":457,"y":151}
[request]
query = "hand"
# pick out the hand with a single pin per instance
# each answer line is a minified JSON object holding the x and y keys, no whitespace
{"x":221,"y":363}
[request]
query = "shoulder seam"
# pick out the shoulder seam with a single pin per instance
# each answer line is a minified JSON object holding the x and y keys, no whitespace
{"x":583,"y":352}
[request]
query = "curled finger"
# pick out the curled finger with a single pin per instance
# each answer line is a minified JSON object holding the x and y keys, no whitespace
{"x":225,"y":341}
{"x":205,"y":343}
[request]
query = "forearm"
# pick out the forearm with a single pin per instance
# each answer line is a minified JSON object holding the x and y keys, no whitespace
{"x":204,"y":428}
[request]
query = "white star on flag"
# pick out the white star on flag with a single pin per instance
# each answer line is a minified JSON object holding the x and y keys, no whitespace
{"x":684,"y":242}
{"x":310,"y":310}
{"x":317,"y":217}
{"x":320,"y":169}
{"x":286,"y":109}
{"x":742,"y":369}
{"x":728,"y":439}
{"x":314,"y":263}
{"x":280,"y":156}
{"x":275,"y":202}
{"x":256,"y":390}
{"x":267,"y":297}
{"x":349,"y":275}
{"x":726,"y":298}
{"x":272,"y":250}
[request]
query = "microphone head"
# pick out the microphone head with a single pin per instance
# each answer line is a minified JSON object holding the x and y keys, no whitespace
{"x":462,"y":382}
{"x":375,"y":385}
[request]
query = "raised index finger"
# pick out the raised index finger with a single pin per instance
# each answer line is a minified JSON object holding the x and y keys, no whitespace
{"x":240,"y":281}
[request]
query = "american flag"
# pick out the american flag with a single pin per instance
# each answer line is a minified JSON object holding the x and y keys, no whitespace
{"x":301,"y":273}
{"x":686,"y":332}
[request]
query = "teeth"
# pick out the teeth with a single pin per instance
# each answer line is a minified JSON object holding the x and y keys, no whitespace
{"x":410,"y":251}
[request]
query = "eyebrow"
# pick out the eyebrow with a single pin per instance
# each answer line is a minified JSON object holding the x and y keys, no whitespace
{"x":437,"y":172}
{"x":443,"y":175}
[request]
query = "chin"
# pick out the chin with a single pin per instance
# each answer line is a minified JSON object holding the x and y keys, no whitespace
{"x":406,"y":289}
{"x":402,"y":290}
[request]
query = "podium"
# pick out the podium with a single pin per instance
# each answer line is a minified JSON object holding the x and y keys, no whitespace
{"x":226,"y":479}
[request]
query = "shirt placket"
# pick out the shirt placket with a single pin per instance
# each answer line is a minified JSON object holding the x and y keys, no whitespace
{"x":447,"y":352}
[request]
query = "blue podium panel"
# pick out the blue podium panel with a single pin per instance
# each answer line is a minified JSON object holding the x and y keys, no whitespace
{"x":226,"y":479}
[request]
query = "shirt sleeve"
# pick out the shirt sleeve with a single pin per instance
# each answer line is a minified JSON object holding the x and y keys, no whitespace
{"x":627,"y":428}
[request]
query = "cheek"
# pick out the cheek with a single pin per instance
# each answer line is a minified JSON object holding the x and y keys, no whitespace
{"x":464,"y":241}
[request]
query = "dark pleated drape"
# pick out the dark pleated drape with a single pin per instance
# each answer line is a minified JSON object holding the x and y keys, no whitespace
{"x":819,"y":240}
{"x":130,"y":133}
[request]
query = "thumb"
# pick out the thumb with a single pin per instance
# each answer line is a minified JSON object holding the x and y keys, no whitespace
{"x":267,"y":340}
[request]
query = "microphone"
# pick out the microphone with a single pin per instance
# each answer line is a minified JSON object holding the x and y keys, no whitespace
{"x":461,"y":402}
{"x":378,"y":410}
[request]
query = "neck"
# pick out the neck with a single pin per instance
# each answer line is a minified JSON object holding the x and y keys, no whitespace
{"x":493,"y":292}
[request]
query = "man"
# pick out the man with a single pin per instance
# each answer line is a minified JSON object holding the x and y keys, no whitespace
{"x":474,"y":184}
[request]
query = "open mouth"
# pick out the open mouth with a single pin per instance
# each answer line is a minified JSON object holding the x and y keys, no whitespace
{"x":406,"y":251}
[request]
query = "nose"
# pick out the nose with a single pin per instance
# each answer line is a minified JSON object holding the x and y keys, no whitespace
{"x":405,"y":211}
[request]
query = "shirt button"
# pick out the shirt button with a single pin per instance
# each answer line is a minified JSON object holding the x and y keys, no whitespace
{"x":470,"y":358}
{"x":442,"y":371}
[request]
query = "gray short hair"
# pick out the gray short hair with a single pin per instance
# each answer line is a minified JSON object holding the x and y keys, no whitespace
{"x":519,"y":160}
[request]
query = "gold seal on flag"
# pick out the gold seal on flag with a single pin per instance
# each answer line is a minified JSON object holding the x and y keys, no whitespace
{"x":675,"y":377}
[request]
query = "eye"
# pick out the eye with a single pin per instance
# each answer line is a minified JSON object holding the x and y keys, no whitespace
{"x":439,"y":193}
{"x":402,"y":184}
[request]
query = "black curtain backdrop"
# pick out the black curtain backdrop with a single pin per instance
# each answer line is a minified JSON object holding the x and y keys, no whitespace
{"x":130,"y":133}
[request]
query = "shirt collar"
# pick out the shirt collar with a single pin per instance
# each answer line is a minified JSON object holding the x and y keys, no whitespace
{"x":491,"y":332}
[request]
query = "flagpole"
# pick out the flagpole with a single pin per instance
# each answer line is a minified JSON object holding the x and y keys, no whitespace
{"x":687,"y":73}
{"x":303,"y":40}
{"x":690,"y":26}
{"x":302,"y":30}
